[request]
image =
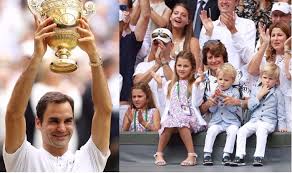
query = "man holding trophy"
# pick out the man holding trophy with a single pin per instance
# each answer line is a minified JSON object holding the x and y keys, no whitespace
{"x":55,"y":114}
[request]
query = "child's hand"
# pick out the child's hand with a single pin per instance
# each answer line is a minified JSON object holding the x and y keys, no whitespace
{"x":201,"y":77}
{"x":283,"y":130}
{"x":231,"y":100}
{"x":129,"y":114}
{"x":157,"y":78}
{"x":140,"y":117}
{"x":263,"y":91}
{"x":212,"y":102}
{"x":217,"y":93}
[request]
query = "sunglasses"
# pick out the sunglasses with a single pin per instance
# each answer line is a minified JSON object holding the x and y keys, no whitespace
{"x":124,"y":7}
{"x":161,"y":34}
{"x":213,"y":41}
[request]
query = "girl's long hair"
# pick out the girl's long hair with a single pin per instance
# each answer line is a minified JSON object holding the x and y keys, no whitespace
{"x":188,"y":29}
{"x":149,"y":96}
{"x":183,"y":55}
{"x":271,"y":52}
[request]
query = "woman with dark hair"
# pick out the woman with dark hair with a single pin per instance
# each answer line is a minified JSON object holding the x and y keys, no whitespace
{"x":142,"y":115}
{"x":181,"y":26}
{"x":214,"y":55}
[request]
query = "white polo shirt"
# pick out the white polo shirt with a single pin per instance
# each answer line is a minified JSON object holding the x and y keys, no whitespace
{"x":27,"y":158}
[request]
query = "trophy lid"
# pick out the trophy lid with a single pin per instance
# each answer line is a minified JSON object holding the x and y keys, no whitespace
{"x":40,"y":8}
{"x":34,"y":7}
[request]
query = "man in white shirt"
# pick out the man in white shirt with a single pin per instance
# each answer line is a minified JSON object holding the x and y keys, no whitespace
{"x":236,"y":33}
{"x":55,"y":116}
{"x":159,"y":62}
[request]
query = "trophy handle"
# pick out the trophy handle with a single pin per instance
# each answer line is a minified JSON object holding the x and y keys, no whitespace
{"x":35,"y":7}
{"x":89,"y":8}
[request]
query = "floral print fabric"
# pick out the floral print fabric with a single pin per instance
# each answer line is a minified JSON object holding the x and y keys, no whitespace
{"x":180,"y":113}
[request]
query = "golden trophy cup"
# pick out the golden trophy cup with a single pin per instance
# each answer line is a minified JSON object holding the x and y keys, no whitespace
{"x":65,"y":14}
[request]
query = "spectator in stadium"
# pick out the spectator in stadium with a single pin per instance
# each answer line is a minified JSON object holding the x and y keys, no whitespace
{"x":281,"y":12}
{"x":130,"y":43}
{"x":180,"y":113}
{"x":236,"y":33}
{"x":181,"y":28}
{"x":214,"y":55}
{"x":276,"y":48}
{"x":223,"y":117}
{"x":159,"y":18}
{"x":159,"y":63}
{"x":267,"y":111}
{"x":142,"y":115}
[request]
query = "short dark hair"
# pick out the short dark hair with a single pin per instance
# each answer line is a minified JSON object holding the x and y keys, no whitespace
{"x":215,"y":47}
{"x":52,"y":97}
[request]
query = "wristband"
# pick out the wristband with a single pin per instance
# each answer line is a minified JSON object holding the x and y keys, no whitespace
{"x":97,"y":63}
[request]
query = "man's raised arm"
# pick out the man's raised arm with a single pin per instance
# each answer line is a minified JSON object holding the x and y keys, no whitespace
{"x":14,"y":120}
{"x":100,"y":129}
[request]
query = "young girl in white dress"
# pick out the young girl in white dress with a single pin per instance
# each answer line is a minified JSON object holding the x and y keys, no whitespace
{"x":180,"y":114}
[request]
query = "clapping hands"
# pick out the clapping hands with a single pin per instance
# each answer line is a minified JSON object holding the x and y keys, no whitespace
{"x":229,"y":20}
{"x":140,"y":116}
{"x":201,"y":77}
{"x":264,"y":35}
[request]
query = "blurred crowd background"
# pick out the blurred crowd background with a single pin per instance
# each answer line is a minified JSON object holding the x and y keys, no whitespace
{"x":16,"y":47}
